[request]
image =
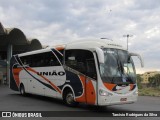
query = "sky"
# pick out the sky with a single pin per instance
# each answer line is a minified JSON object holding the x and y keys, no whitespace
{"x":61,"y":21}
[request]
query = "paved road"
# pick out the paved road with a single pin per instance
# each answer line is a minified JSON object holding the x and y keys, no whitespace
{"x":13,"y":101}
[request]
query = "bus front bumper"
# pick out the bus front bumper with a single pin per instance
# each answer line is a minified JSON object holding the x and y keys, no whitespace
{"x":115,"y":100}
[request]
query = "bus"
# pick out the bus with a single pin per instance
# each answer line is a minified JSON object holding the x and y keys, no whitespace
{"x":97,"y":72}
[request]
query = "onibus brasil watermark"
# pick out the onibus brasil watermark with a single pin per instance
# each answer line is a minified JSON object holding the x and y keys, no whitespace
{"x":21,"y":114}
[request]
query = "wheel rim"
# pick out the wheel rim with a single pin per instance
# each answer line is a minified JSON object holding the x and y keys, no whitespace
{"x":69,"y":98}
{"x":22,"y":90}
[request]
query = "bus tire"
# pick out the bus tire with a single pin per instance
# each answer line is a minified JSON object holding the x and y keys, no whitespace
{"x":69,"y":99}
{"x":22,"y":90}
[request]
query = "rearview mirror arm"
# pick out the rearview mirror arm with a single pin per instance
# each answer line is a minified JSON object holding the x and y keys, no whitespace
{"x":139,"y":56}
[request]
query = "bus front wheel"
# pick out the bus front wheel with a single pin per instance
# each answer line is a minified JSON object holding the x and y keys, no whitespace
{"x":69,"y":99}
{"x":22,"y":90}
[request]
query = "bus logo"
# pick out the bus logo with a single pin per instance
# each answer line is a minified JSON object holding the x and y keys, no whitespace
{"x":54,"y":73}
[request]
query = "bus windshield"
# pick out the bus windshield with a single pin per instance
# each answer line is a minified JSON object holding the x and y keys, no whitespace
{"x":118,"y":67}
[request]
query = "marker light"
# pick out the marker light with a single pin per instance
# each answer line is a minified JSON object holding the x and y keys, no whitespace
{"x":104,"y":93}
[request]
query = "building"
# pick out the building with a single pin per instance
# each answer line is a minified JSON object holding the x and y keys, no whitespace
{"x":13,"y":41}
{"x":146,"y":75}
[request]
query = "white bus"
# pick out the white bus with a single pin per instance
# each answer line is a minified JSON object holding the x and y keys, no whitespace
{"x":97,"y":72}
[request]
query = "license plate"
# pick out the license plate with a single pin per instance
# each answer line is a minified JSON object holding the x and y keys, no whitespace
{"x":123,"y":99}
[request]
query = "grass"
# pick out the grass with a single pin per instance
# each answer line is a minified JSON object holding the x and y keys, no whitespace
{"x":149,"y":92}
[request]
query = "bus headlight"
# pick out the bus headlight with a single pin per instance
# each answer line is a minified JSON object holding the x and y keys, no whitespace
{"x":104,"y":93}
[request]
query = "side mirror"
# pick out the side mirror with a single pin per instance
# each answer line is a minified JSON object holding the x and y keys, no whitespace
{"x":100,"y":54}
{"x":140,"y":58}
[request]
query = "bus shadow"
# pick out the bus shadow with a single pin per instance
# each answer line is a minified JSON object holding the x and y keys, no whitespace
{"x":80,"y":107}
{"x":101,"y":109}
{"x":40,"y":98}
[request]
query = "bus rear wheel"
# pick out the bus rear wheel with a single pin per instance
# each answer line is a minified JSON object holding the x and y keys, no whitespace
{"x":69,"y":99}
{"x":22,"y":90}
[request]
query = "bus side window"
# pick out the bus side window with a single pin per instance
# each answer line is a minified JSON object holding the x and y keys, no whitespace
{"x":40,"y":60}
{"x":72,"y":60}
{"x":25,"y":60}
{"x":82,"y":61}
{"x":53,"y":61}
{"x":91,"y":70}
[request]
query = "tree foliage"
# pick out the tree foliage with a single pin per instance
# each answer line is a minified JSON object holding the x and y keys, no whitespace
{"x":154,"y":81}
{"x":139,"y":80}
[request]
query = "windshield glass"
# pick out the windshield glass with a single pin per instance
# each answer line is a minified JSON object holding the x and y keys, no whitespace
{"x":117,"y":68}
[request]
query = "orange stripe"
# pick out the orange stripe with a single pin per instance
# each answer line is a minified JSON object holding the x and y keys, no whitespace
{"x":54,"y":86}
{"x":16,"y":72}
{"x":109,"y":86}
{"x":59,"y":48}
{"x":91,"y":94}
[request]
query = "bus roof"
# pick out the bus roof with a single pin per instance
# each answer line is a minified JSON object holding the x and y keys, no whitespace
{"x":86,"y":44}
{"x":35,"y":52}
{"x":93,"y":43}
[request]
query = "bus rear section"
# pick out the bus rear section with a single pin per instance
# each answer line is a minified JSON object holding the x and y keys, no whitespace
{"x":48,"y":73}
{"x":38,"y":72}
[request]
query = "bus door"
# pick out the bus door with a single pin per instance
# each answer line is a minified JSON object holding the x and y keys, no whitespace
{"x":90,"y":86}
{"x":83,"y":62}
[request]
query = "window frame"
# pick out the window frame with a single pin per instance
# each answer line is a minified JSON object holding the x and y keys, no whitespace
{"x":94,"y":61}
{"x":33,"y":58}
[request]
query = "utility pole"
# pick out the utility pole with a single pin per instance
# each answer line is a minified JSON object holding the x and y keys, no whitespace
{"x":128,"y":35}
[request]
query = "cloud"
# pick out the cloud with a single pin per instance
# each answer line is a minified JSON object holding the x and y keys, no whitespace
{"x":60,"y":21}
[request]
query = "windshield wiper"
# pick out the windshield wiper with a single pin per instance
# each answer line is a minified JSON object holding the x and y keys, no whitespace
{"x":118,"y":69}
{"x":123,"y":76}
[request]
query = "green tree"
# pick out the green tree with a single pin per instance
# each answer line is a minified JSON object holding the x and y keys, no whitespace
{"x":154,"y":81}
{"x":139,"y":81}
{"x":157,"y":80}
{"x":151,"y":81}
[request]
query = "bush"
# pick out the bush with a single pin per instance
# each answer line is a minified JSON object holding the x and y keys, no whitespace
{"x":149,"y":92}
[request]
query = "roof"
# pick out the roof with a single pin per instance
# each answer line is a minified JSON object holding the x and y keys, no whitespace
{"x":2,"y":30}
{"x":87,"y":44}
{"x":17,"y":38}
{"x":93,"y":43}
